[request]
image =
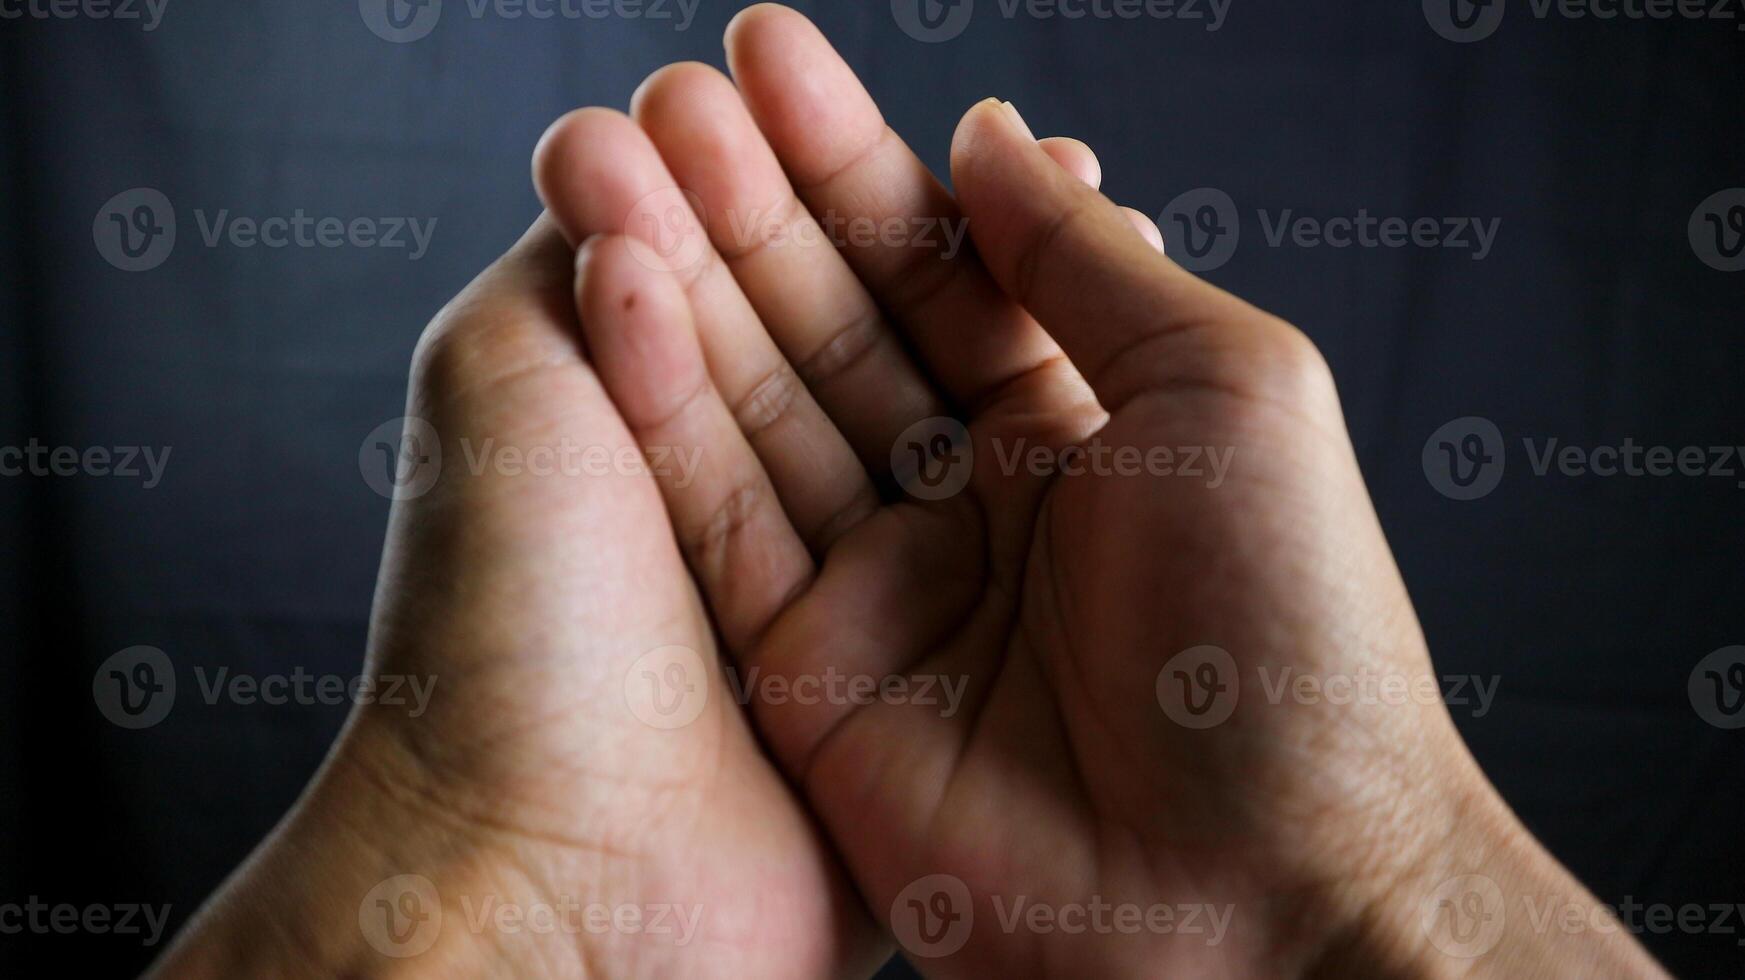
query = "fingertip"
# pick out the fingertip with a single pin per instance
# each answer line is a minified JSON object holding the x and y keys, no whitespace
{"x":679,"y":81}
{"x":971,"y":131}
{"x":993,"y":155}
{"x":558,"y":175}
{"x":1076,"y":157}
{"x":1147,"y":228}
{"x":748,"y":28}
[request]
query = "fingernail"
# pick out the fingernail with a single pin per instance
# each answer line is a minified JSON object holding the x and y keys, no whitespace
{"x":1018,"y":121}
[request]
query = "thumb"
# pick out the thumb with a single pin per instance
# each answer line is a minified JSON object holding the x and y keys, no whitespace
{"x":1128,"y":317}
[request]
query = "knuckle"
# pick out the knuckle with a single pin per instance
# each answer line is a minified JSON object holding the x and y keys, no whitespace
{"x":499,"y":326}
{"x":768,"y":401}
{"x":1284,"y":359}
{"x":710,"y":540}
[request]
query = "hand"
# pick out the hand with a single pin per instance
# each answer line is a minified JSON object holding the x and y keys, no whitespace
{"x":537,"y":784}
{"x":1083,"y":764}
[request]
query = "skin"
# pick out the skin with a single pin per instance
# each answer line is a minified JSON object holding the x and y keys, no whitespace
{"x":635,"y":318}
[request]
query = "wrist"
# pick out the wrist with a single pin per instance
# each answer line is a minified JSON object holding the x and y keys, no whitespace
{"x":1481,"y":898}
{"x":360,"y":880}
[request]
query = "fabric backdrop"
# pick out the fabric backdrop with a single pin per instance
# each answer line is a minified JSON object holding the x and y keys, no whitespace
{"x":1587,"y":145}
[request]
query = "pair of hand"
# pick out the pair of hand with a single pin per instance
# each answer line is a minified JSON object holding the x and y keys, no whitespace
{"x":1039,"y":676}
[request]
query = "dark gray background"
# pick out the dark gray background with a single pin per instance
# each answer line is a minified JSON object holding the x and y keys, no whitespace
{"x":1592,"y":320}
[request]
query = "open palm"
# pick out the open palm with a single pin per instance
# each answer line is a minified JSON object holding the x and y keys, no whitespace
{"x":1003,"y":660}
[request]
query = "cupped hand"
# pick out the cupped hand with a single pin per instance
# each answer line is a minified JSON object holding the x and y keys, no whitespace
{"x":1020,"y":553}
{"x":544,"y":815}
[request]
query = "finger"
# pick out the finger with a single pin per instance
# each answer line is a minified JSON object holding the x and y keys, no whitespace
{"x":748,"y":559}
{"x":1129,"y":318}
{"x":599,"y":173}
{"x":1075,"y":157}
{"x":808,"y":298}
{"x":845,"y":162}
{"x":1146,"y":227}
